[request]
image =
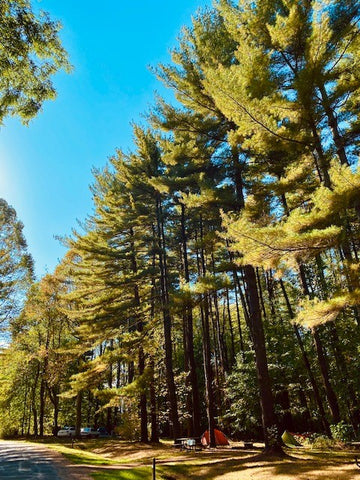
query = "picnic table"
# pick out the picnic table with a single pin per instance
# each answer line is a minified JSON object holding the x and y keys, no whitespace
{"x":248,"y":444}
{"x":186,"y":443}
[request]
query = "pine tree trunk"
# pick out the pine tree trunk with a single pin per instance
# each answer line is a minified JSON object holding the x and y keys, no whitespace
{"x":33,"y":401}
{"x":23,"y":418}
{"x":306,"y":361}
{"x":167,"y":322}
{"x":118,"y":385}
{"x":270,"y":425}
{"x":307,"y":420}
{"x":205,"y":322}
{"x":56,"y":417}
{"x":330,"y":394}
{"x":271,"y":294}
{"x":130,"y":372}
{"x":78,"y":414}
{"x":232,"y":353}
{"x":333,"y":124}
{"x":42,"y":406}
{"x":189,"y":403}
{"x":320,"y":159}
{"x":153,"y":409}
{"x":142,"y":402}
{"x":261,"y":296}
{"x":193,"y":396}
{"x":210,"y":404}
{"x":283,"y":400}
{"x":54,"y":398}
{"x":242,"y":349}
{"x":219,"y":374}
{"x":42,"y":393}
{"x":35,"y":417}
{"x":223,"y":362}
{"x":110,"y":385}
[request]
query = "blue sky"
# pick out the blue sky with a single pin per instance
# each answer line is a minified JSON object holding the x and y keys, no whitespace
{"x":45,"y":168}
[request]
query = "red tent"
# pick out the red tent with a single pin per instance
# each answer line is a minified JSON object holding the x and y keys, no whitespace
{"x":220,"y":438}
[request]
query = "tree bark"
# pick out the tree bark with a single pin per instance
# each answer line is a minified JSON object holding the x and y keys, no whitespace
{"x":167,"y":322}
{"x":210,"y":404}
{"x":42,"y":394}
{"x":33,"y":400}
{"x":190,"y":364}
{"x":333,"y":124}
{"x":153,"y":415}
{"x":231,"y":329}
{"x":330,"y":394}
{"x":306,"y":361}
{"x":141,"y":356}
{"x":205,"y":322}
{"x":270,"y":425}
{"x":78,"y":414}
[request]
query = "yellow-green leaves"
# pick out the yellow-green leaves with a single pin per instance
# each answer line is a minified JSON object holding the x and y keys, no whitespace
{"x":318,"y":51}
{"x":317,"y":312}
{"x":277,"y":246}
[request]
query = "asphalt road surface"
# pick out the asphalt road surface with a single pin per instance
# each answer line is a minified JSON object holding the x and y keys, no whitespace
{"x":20,"y":461}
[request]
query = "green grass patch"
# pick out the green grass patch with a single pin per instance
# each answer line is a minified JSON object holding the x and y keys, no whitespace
{"x":82,"y":457}
{"x":141,"y":473}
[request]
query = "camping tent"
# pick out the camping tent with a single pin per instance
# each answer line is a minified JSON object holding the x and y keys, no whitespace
{"x":220,"y":438}
{"x":289,"y":440}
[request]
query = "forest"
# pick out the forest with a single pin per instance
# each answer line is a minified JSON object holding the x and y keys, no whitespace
{"x":215,"y":284}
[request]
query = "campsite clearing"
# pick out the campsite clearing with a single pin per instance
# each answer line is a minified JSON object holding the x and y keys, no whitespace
{"x":117,"y":460}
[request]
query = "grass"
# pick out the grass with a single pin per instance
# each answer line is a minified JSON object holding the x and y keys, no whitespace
{"x":142,"y":473}
{"x":77,"y":453}
{"x":80,"y":457}
{"x":132,"y":461}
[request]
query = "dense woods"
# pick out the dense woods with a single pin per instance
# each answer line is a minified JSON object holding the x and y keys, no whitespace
{"x":216,"y":283}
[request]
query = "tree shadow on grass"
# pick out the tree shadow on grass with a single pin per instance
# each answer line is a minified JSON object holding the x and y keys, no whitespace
{"x":263,"y":467}
{"x":232,"y":465}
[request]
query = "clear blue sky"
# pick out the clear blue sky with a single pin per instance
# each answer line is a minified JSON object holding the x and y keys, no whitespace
{"x":45,"y":168}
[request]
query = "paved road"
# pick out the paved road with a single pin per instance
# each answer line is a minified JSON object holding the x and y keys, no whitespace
{"x":20,"y":461}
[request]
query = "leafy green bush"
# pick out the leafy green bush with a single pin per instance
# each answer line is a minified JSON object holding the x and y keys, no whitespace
{"x":243,"y":418}
{"x":7,"y":428}
{"x":321,"y":441}
{"x":129,"y":428}
{"x":342,"y":431}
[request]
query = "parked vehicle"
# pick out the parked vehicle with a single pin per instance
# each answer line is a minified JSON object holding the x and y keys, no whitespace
{"x":66,"y":432}
{"x":103,"y":433}
{"x":89,"y":432}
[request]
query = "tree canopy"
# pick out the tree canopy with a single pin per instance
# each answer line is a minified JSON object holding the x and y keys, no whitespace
{"x":30,"y":54}
{"x":16,"y":264}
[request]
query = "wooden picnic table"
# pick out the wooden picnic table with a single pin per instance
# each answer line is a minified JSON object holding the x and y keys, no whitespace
{"x":248,"y":444}
{"x":186,"y":443}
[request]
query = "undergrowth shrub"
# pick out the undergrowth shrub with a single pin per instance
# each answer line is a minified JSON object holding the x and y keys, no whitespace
{"x":342,"y":432}
{"x":7,"y":428}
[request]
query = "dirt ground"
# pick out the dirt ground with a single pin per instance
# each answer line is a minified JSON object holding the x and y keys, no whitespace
{"x":255,"y":468}
{"x":225,"y":463}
